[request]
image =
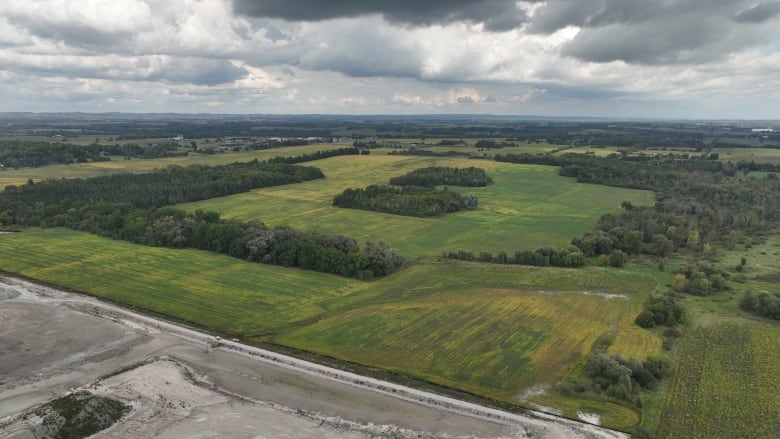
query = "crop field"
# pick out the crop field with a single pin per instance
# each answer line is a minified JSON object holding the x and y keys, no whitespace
{"x":528,"y":206}
{"x":758,"y":155}
{"x":94,"y":169}
{"x":494,"y":330}
{"x":214,"y":291}
{"x":726,"y":384}
{"x":490,"y":329}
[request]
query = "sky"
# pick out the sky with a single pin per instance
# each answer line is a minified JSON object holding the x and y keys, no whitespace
{"x":691,"y":59}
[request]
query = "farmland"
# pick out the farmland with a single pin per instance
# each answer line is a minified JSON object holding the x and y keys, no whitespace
{"x":116,"y":166}
{"x":494,"y":330}
{"x":726,"y":383}
{"x":216,"y":292}
{"x":510,"y":334}
{"x":527,"y":207}
{"x":495,"y":337}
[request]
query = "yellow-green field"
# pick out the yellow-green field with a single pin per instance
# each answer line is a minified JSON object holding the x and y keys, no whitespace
{"x":94,"y":169}
{"x":490,"y":329}
{"x":469,"y":326}
{"x":527,"y":207}
{"x":217,"y":292}
{"x":726,"y":382}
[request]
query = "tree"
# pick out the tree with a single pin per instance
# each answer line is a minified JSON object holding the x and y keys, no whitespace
{"x":693,"y":240}
{"x":679,"y":282}
{"x":617,"y":259}
{"x":661,"y":245}
{"x":748,"y":302}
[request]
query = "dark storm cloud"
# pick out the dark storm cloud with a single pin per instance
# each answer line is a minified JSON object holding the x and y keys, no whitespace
{"x":759,"y":13}
{"x":647,"y":32}
{"x":85,"y":35}
{"x":497,"y":15}
{"x":198,"y":71}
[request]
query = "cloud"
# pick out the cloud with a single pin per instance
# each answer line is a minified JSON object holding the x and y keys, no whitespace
{"x":495,"y":15}
{"x":495,"y":56}
{"x":83,"y":23}
{"x":660,"y":33}
{"x":759,"y":13}
{"x":200,"y":71}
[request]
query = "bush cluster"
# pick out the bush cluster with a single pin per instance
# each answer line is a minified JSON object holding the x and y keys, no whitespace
{"x":763,"y":304}
{"x":544,"y":257}
{"x":443,"y":175}
{"x":408,"y":201}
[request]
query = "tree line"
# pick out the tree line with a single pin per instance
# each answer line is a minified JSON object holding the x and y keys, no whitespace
{"x":429,"y":153}
{"x":616,"y":376}
{"x":698,"y":202}
{"x":34,"y":202}
{"x":444,"y":175}
{"x":132,"y":208}
{"x":319,"y":155}
{"x":570,"y":257}
{"x":24,"y":154}
{"x":407,"y":201}
{"x":492,"y":144}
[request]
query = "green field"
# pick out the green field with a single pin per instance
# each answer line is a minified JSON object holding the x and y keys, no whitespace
{"x":493,"y":330}
{"x":726,"y":383}
{"x":214,"y":291}
{"x":94,"y":169}
{"x":758,"y":155}
{"x":528,"y":206}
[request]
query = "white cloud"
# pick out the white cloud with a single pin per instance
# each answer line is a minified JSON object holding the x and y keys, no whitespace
{"x":198,"y":52}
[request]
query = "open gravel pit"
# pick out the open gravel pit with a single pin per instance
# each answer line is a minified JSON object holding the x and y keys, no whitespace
{"x":53,"y":342}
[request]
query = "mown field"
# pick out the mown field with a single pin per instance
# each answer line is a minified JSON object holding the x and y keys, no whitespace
{"x":527,"y":207}
{"x":489,"y":329}
{"x":726,"y":383}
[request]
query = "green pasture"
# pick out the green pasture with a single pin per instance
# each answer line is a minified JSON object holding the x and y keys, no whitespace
{"x":527,"y":207}
{"x":119,"y":165}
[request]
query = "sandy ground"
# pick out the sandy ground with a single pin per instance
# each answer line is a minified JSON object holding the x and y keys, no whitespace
{"x":52,"y":342}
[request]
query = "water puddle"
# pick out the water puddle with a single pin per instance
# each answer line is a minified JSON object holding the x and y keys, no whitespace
{"x":18,"y":403}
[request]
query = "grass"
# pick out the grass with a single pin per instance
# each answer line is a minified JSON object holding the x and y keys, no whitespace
{"x":527,"y":207}
{"x":609,"y":413}
{"x":758,"y":155}
{"x":489,"y":329}
{"x":218,"y":292}
{"x":726,"y":379}
{"x":94,"y":169}
{"x":726,"y":382}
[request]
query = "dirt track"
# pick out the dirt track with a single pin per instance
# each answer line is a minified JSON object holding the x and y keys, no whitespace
{"x":52,"y":342}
